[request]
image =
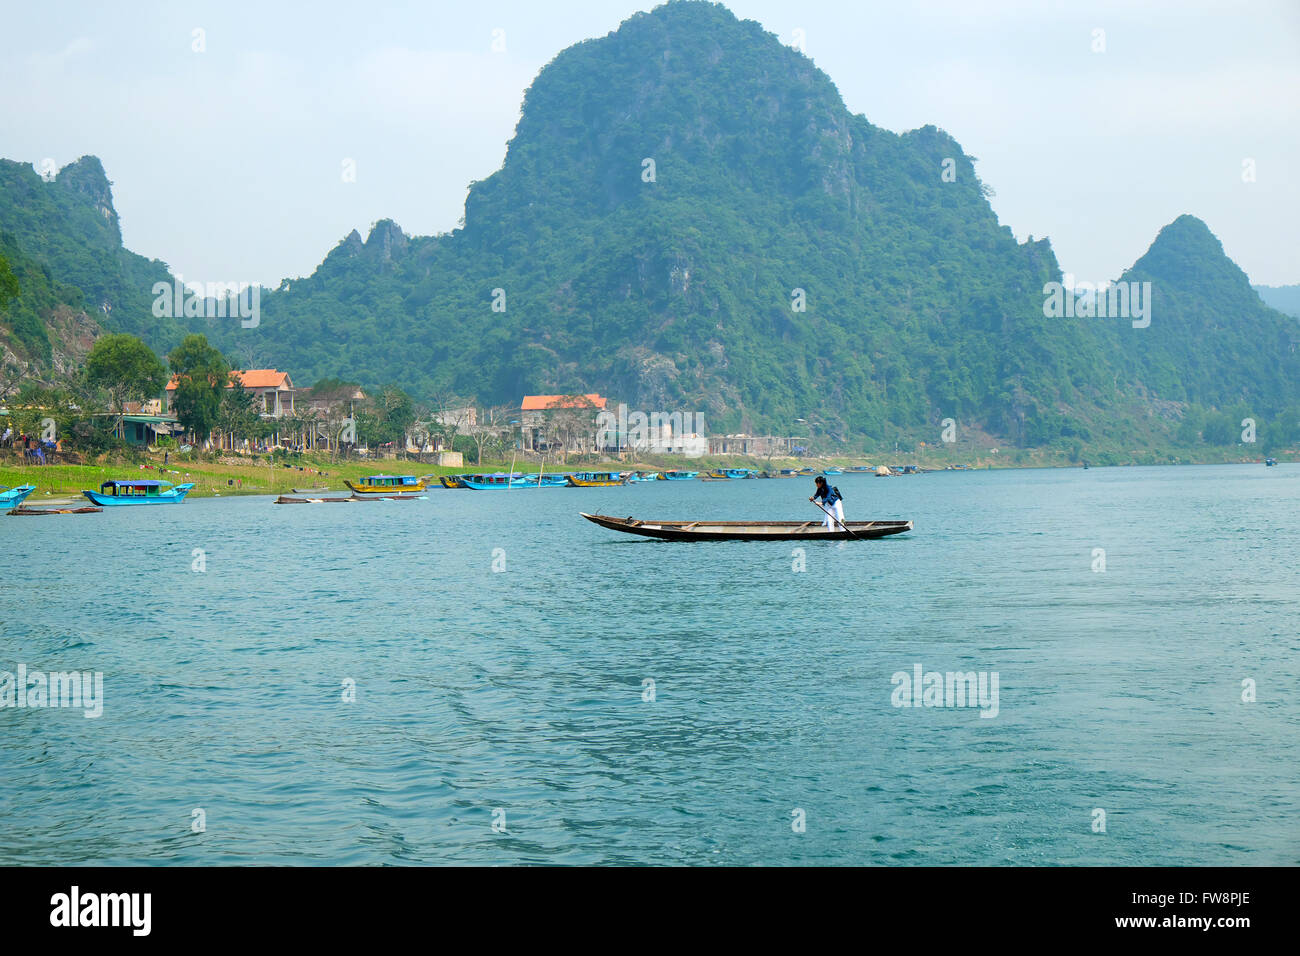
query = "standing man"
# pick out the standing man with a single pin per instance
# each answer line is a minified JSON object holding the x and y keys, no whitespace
{"x":831,"y":500}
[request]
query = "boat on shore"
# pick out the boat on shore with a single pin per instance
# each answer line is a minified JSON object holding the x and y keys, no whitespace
{"x":14,"y":497}
{"x":386,"y":484}
{"x":814,"y":530}
{"x":595,"y":479}
{"x":132,"y":492}
{"x":677,"y":475}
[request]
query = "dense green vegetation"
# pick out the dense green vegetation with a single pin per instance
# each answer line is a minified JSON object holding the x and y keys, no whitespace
{"x":29,"y":296}
{"x":676,"y":284}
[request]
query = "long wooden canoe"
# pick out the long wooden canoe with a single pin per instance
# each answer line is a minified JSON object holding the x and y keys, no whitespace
{"x":814,"y":530}
{"x":26,"y":512}
{"x":289,"y":500}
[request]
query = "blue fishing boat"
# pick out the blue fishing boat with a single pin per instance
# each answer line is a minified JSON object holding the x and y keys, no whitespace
{"x":537,"y":481}
{"x":13,"y":497}
{"x":113,"y":493}
{"x":497,"y":481}
{"x":833,"y":471}
{"x":733,"y":473}
{"x":643,"y":476}
{"x":677,"y":475}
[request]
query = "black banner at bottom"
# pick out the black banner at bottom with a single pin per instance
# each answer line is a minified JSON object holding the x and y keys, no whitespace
{"x":336,"y":906}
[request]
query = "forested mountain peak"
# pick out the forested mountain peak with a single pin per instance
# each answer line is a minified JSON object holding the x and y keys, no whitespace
{"x":689,"y":217}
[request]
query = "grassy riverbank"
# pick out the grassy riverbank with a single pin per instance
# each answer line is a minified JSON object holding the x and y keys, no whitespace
{"x":235,"y":476}
{"x":224,"y":477}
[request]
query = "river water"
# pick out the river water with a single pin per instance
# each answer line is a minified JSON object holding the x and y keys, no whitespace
{"x":486,"y":678}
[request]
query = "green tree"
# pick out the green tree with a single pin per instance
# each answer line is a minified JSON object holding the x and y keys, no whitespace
{"x":236,"y":415}
{"x":8,"y":282}
{"x":202,"y":374}
{"x":126,"y":368}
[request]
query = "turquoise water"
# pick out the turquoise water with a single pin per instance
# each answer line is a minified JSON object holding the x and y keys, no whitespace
{"x":522,"y":690}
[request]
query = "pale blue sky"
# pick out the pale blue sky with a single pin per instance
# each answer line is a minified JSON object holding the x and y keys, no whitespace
{"x":226,"y":163}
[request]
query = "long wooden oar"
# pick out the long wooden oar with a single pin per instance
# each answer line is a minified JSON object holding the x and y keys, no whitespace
{"x":835,"y":519}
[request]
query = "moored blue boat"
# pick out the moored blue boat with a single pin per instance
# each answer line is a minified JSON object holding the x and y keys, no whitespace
{"x":677,"y":475}
{"x":497,"y":481}
{"x":537,"y":481}
{"x":13,"y":497}
{"x":833,"y":471}
{"x":113,"y":493}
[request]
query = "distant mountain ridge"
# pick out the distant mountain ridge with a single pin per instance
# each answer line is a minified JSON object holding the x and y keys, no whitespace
{"x":1284,"y":298}
{"x":688,"y":217}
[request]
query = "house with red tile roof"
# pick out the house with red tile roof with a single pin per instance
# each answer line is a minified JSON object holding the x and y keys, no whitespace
{"x":561,"y":422}
{"x":272,"y":390}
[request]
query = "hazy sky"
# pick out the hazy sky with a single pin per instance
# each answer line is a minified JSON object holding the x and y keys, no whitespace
{"x":227,"y":163}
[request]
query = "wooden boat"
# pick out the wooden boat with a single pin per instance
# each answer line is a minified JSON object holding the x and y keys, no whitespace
{"x":638,"y":476}
{"x":34,"y":512}
{"x":1270,"y":462}
{"x":541,"y":480}
{"x":290,"y":500}
{"x":596,"y":479}
{"x":387,"y":484}
{"x":498,"y":481}
{"x":13,"y":497}
{"x":677,"y":475}
{"x":451,"y":481}
{"x":733,"y":473}
{"x":814,"y":530}
{"x":116,"y":493}
{"x":833,"y":471}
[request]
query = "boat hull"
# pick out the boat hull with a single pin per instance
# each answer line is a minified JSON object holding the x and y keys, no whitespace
{"x":750,"y":530}
{"x":589,"y":483}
